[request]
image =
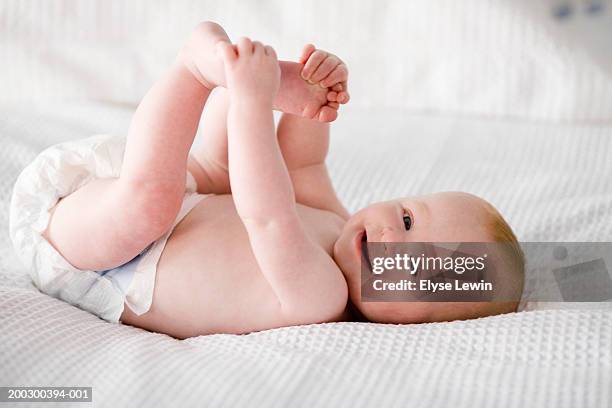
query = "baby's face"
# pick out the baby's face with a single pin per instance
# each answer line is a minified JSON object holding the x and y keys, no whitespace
{"x":441,"y":217}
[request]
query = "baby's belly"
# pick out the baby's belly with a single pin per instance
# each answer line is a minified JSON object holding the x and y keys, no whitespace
{"x":208,"y":276}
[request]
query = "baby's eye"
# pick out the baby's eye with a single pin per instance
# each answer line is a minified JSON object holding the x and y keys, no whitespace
{"x":407,"y":222}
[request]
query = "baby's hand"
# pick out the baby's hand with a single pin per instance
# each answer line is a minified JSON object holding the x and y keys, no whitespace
{"x":327,"y":70}
{"x":251,"y":70}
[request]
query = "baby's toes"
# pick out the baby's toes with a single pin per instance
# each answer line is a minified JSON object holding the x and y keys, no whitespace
{"x":332,"y":96}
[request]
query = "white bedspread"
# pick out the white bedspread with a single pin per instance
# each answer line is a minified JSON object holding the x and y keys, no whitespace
{"x":552,"y":183}
{"x":472,"y":57}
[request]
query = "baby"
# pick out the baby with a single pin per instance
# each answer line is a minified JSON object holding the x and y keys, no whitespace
{"x":264,"y":242}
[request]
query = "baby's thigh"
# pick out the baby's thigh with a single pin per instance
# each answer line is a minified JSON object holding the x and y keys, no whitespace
{"x":104,"y":224}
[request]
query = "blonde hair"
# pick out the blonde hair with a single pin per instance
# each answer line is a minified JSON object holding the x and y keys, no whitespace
{"x":511,"y":253}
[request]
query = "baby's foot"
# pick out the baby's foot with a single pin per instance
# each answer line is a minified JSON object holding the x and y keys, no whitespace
{"x":315,"y":87}
{"x":200,"y":57}
{"x":298,"y":97}
{"x":327,"y":70}
{"x":251,"y":71}
{"x":295,"y":96}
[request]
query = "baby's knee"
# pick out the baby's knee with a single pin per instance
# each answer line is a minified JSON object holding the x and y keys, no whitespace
{"x":207,"y":27}
{"x":150,"y":207}
{"x":204,"y":31}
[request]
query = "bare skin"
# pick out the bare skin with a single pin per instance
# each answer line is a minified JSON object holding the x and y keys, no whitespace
{"x":121,"y":217}
{"x":274,"y":246}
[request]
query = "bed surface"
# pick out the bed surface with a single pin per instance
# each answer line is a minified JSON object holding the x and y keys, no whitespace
{"x":552,"y":182}
{"x":479,"y":59}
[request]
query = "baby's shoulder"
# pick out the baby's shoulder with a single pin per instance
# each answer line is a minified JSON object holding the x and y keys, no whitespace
{"x":322,"y":225}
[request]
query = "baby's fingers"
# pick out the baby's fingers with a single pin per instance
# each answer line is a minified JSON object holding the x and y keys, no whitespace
{"x":315,"y":59}
{"x":327,"y":66}
{"x":306,"y":53}
{"x":339,"y":97}
{"x":338,"y":94}
{"x":342,"y":93}
{"x":338,"y":75}
{"x":227,"y":52}
{"x":332,"y":96}
{"x":343,"y":96}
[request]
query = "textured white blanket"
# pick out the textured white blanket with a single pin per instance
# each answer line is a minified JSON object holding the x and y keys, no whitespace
{"x":552,"y":182}
{"x":532,"y":359}
{"x":493,"y":58}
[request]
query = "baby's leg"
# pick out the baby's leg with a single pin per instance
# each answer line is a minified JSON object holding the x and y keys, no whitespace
{"x":303,"y":142}
{"x":208,"y":161}
{"x":108,"y":222}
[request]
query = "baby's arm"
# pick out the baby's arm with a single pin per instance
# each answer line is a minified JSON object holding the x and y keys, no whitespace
{"x":304,"y":278}
{"x":305,"y":143}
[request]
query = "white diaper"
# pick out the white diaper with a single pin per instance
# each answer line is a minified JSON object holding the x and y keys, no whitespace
{"x":55,"y":173}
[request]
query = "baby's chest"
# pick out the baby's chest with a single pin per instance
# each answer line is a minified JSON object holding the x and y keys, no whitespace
{"x":212,"y":237}
{"x":215,"y":224}
{"x":210,"y":249}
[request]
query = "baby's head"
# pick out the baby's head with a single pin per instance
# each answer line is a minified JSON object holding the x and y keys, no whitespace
{"x":442,"y":217}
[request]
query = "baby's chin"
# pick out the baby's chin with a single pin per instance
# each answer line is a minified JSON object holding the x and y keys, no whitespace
{"x":429,"y":312}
